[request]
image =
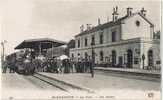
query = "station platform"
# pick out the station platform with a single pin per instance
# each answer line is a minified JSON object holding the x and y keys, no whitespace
{"x":102,"y":81}
{"x":130,"y":70}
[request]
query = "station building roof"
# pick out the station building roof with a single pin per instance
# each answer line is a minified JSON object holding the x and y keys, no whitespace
{"x":112,"y":23}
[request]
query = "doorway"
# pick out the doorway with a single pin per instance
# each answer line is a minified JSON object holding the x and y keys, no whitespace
{"x":129,"y":58}
{"x":150,"y":58}
{"x":113,"y":58}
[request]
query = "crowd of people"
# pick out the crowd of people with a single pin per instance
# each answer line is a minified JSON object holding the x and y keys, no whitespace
{"x":64,"y":66}
{"x":53,"y":65}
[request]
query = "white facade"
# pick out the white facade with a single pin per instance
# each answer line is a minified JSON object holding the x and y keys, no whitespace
{"x":129,"y":38}
{"x":131,"y":30}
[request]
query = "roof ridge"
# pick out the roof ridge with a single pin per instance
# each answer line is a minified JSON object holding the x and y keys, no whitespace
{"x":101,"y":25}
{"x":147,"y":19}
{"x":112,"y":23}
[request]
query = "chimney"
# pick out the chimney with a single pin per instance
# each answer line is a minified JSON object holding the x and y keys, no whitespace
{"x":99,"y":23}
{"x":116,"y":8}
{"x":81,"y":28}
{"x":88,"y":26}
{"x":115,"y":13}
{"x":143,"y":12}
{"x":129,"y":11}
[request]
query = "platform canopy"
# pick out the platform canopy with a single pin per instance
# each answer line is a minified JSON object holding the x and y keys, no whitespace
{"x":43,"y":43}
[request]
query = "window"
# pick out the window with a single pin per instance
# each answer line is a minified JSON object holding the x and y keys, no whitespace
{"x":113,"y":36}
{"x":150,"y":58}
{"x":86,"y":55}
{"x":106,"y":59}
{"x":158,"y":62}
{"x":120,"y":60}
{"x":72,"y":55}
{"x":137,"y":23}
{"x":86,"y":41}
{"x":79,"y":57}
{"x":78,"y":43}
{"x":136,"y":60}
{"x":93,"y":40}
{"x":101,"y":38}
{"x":101,"y":56}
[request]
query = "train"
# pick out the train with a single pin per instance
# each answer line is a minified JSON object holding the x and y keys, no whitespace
{"x":24,"y":63}
{"x":17,"y":62}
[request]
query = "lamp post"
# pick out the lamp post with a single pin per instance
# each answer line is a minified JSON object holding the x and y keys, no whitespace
{"x":125,"y":60}
{"x":40,"y":49}
{"x":93,"y":61}
{"x":93,"y":54}
{"x":143,"y":58}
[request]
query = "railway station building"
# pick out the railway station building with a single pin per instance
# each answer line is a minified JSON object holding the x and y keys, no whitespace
{"x":123,"y":42}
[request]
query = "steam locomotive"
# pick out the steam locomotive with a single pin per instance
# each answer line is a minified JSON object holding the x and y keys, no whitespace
{"x":18,"y":62}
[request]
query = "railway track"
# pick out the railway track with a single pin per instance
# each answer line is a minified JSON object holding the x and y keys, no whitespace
{"x":66,"y":87}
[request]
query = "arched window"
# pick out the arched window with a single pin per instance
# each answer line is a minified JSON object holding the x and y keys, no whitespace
{"x":101,"y":56}
{"x":150,"y":58}
{"x":86,"y":55}
{"x":114,"y":57}
{"x":79,"y":56}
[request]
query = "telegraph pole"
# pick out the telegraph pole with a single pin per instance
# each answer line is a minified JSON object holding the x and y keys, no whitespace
{"x":3,"y":50}
{"x":3,"y":55}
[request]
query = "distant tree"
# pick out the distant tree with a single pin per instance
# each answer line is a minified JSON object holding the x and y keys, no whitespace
{"x":157,"y":34}
{"x":70,"y":45}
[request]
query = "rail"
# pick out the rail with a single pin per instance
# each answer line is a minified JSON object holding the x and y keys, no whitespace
{"x":67,"y":87}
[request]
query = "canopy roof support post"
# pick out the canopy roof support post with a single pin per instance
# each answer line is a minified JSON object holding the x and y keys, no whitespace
{"x":52,"y":49}
{"x":39,"y":48}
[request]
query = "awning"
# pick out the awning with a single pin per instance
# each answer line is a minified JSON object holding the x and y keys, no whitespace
{"x":62,"y":57}
{"x":45,"y":43}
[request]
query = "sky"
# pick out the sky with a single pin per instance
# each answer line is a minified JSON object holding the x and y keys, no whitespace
{"x":61,"y":19}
